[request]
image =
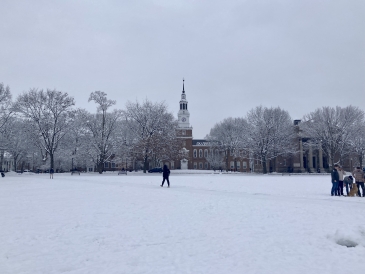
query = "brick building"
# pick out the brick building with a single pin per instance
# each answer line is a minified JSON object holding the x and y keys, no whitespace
{"x":197,"y":150}
{"x":308,"y":158}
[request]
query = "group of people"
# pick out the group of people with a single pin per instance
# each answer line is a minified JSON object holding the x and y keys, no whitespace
{"x":339,"y":181}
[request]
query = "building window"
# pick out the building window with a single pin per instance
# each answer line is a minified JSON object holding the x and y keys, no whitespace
{"x":238,"y":165}
{"x":200,"y":165}
{"x":232,"y":165}
{"x":106,"y":165}
{"x":172,"y":165}
{"x":200,"y":153}
{"x":184,"y":143}
{"x":113,"y":165}
{"x":194,"y":153}
{"x":90,"y":169}
{"x":205,"y":165}
{"x":205,"y":153}
{"x":195,"y":165}
{"x":183,"y":132}
{"x":244,"y":165}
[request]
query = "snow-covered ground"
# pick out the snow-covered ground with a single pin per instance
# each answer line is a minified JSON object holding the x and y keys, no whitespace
{"x":204,"y":223}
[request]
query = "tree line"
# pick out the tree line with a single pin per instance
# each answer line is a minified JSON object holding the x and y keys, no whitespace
{"x":267,"y":133}
{"x":46,"y":126}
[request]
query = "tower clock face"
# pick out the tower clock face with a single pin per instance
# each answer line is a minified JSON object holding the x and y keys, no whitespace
{"x":183,"y":119}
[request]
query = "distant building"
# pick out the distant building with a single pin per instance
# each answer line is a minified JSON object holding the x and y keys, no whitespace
{"x":197,"y":150}
{"x":308,"y":158}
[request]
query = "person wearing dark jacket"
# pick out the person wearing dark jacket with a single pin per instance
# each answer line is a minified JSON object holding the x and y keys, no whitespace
{"x":51,"y":171}
{"x":335,"y":179}
{"x":341,"y":174}
{"x":165,"y":175}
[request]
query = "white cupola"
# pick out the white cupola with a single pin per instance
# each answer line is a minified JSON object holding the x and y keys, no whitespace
{"x":183,"y":114}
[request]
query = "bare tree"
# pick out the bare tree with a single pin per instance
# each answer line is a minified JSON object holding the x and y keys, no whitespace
{"x":151,"y":126}
{"x":17,"y":141}
{"x":332,"y":129}
{"x":215,"y":157}
{"x":270,"y":134}
{"x":357,"y":144}
{"x":101,"y":128}
{"x":5,"y":113}
{"x":74,"y":144}
{"x":166,"y":146}
{"x":5,"y":105}
{"x":125,"y":142}
{"x":230,"y":137}
{"x":50,"y":113}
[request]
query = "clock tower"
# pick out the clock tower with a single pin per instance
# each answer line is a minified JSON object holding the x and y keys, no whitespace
{"x":185,"y":133}
{"x":183,"y":114}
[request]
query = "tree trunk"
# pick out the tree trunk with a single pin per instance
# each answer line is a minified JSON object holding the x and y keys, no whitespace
{"x":52,"y":160}
{"x":227,"y":163}
{"x":1,"y":159}
{"x":360,"y":159}
{"x":332,"y":158}
{"x":145,"y":164}
{"x":100,"y":164}
{"x":264,"y":167}
{"x":100,"y":167}
{"x":276,"y":166}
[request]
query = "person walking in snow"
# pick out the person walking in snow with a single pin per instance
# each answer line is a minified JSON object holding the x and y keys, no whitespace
{"x":341,"y":173}
{"x":165,"y":175}
{"x":51,"y":171}
{"x":359,"y":178}
{"x":334,"y":179}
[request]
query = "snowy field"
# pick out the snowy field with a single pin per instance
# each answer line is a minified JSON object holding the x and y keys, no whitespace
{"x":204,"y":223}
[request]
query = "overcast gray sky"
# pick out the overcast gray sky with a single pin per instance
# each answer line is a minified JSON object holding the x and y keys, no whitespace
{"x":234,"y":55}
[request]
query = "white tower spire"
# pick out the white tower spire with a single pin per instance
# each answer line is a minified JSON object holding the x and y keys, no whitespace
{"x":183,"y":114}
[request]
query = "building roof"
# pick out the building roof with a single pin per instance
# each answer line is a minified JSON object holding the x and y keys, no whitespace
{"x":201,"y":142}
